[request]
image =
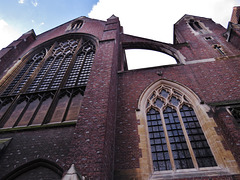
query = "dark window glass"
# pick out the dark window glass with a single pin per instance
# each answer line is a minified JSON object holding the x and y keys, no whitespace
{"x":177,"y":140}
{"x":164,"y":93}
{"x":198,"y":141}
{"x":161,"y":160}
{"x":51,"y":83}
{"x":159,"y":103}
{"x":178,"y":134}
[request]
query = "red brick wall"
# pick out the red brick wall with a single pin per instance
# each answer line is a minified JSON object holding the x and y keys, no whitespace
{"x":212,"y":81}
{"x":106,"y":138}
{"x":200,"y":48}
{"x":51,"y":144}
{"x":235,"y":15}
{"x":39,"y":173}
{"x":93,"y":143}
{"x":230,"y":129}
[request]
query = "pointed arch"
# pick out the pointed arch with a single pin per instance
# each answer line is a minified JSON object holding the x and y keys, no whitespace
{"x":57,"y":65}
{"x":133,"y":42}
{"x":37,"y":165}
{"x":169,"y":113}
{"x":194,"y":99}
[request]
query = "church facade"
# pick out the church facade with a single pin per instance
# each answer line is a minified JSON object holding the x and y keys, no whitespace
{"x":70,"y":108}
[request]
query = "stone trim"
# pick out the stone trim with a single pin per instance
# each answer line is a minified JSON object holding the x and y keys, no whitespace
{"x":224,"y":158}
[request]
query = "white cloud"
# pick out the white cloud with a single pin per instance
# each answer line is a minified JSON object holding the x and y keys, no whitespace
{"x":41,"y":24}
{"x":154,"y":19}
{"x":21,"y":1}
{"x":7,"y":34}
{"x":34,"y":3}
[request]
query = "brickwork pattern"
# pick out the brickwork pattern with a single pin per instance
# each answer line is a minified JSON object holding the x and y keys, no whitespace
{"x":201,"y":78}
{"x":230,"y":129}
{"x":51,"y":144}
{"x":93,"y":144}
{"x":106,"y":138}
{"x":198,"y":46}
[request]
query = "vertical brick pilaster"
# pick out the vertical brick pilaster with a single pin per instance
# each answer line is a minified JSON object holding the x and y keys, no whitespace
{"x":94,"y":138}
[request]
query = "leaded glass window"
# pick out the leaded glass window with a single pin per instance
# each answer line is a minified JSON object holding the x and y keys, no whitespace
{"x":176,"y":138}
{"x":49,"y":85}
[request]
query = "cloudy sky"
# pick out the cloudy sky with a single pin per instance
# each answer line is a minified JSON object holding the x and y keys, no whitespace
{"x":151,"y":19}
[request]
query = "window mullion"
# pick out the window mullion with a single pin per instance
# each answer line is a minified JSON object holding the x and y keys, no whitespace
{"x":68,"y":105}
{"x":187,"y":140}
{"x":47,"y":56}
{"x":167,"y":141}
{"x":56,"y":96}
{"x":24,"y":110}
{"x":52,"y":107}
{"x":37,"y":70}
{"x":67,"y":71}
{"x":41,"y":97}
{"x":9,"y":111}
{"x":4,"y":85}
{"x":71,"y":64}
{"x":55,"y":75}
{"x":81,"y":68}
{"x":21,"y":79}
{"x":84,"y":59}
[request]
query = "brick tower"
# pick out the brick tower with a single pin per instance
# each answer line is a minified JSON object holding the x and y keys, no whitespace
{"x":70,"y":108}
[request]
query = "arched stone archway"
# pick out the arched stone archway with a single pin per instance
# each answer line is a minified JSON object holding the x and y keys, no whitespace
{"x":36,"y":169}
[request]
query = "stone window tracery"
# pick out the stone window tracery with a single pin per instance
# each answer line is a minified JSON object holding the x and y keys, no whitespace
{"x":198,"y":26}
{"x":176,"y":138}
{"x":49,"y":87}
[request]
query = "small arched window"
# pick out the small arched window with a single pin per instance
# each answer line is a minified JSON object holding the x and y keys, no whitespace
{"x":176,"y":138}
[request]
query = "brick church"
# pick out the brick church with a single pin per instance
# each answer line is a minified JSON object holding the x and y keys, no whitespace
{"x":71,"y":109}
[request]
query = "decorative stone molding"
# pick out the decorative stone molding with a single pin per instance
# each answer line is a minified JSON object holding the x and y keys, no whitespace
{"x":224,"y":158}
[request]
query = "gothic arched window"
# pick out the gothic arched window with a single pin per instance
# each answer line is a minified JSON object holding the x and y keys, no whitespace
{"x":176,"y":138}
{"x":47,"y":86}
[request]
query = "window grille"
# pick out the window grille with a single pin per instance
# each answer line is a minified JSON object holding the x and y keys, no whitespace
{"x":176,"y":138}
{"x":53,"y":78}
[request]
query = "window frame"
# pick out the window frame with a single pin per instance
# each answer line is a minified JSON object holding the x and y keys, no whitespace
{"x":82,"y":43}
{"x":180,"y":101}
{"x":208,"y":125}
